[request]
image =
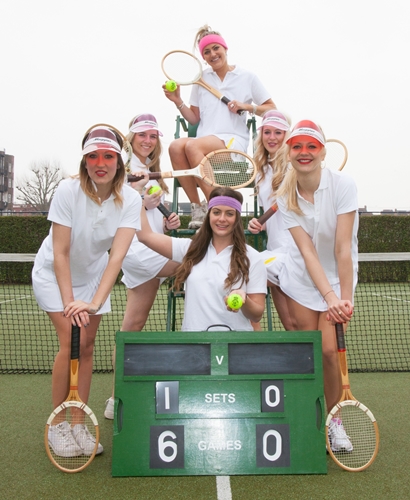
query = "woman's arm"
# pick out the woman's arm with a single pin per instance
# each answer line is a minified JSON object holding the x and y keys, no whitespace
{"x":160,"y":243}
{"x":343,"y":253}
{"x":190,"y":113}
{"x":335,"y":304}
{"x":259,"y":110}
{"x":61,"y":250}
{"x":120,"y":245}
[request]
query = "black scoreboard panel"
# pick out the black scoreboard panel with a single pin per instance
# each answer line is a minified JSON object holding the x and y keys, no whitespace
{"x":218,"y":403}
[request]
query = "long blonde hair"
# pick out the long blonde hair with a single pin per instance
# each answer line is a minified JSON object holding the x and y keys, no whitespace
{"x":87,"y":184}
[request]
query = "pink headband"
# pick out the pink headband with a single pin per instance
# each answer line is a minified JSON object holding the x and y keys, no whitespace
{"x":226,"y":201}
{"x":207,"y":39}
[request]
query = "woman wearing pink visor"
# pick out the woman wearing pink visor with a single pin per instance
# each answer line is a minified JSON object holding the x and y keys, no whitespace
{"x":271,"y":160}
{"x":73,"y":274}
{"x":218,"y":123}
{"x":320,"y":208}
{"x":143,"y":269}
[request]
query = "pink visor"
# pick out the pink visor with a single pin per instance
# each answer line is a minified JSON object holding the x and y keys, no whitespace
{"x":144,"y":122}
{"x":275,"y":119}
{"x":101,"y":138}
{"x":208,"y":39}
{"x":309,"y":129}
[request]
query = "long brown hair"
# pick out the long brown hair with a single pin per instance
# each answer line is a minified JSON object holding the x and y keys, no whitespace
{"x":239,"y":266}
{"x":87,"y":184}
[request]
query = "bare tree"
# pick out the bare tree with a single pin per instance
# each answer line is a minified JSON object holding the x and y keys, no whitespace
{"x":37,"y":189}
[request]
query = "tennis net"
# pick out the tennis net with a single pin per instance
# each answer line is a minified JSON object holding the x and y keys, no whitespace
{"x":378,"y":338}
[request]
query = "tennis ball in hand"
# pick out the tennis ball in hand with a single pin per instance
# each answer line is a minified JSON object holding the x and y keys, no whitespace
{"x":235,"y":301}
{"x":154,"y":189}
{"x":171,"y":85}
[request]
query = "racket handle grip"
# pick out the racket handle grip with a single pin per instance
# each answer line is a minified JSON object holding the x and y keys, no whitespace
{"x":340,"y":337}
{"x":75,"y":342}
{"x":226,"y":101}
{"x":268,"y":214}
{"x":136,"y":178}
{"x":163,"y":209}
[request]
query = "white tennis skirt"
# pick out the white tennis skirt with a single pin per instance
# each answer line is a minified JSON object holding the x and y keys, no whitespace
{"x":48,"y":295}
{"x":141,"y":264}
{"x":273,"y":260}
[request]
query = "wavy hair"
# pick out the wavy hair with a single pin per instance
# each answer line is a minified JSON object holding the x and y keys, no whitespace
{"x":239,"y":265}
{"x":87,"y":184}
{"x":279,"y":163}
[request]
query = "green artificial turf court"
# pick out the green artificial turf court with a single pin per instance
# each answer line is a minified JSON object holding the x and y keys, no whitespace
{"x":27,"y":473}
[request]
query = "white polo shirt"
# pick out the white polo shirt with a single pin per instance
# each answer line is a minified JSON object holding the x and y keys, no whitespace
{"x":204,"y":303}
{"x":215,"y":118}
{"x":336,"y":195}
{"x":93,"y":228}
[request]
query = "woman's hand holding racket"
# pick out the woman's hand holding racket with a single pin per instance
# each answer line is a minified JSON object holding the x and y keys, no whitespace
{"x":339,"y":310}
{"x":172,"y":222}
{"x":255,"y":226}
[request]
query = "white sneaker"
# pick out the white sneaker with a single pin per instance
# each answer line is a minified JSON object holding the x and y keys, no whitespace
{"x":339,"y":440}
{"x":85,"y":440}
{"x":109,"y":409}
{"x":62,"y":442}
{"x":198,"y":213}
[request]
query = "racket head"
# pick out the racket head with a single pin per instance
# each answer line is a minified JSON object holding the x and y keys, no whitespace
{"x":361,"y":428}
{"x":73,"y":413}
{"x":126,"y":145}
{"x":228,"y":168}
{"x":182,"y":67}
{"x":336,"y":154}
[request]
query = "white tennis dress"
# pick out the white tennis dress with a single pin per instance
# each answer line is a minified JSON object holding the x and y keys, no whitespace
{"x":93,"y":228}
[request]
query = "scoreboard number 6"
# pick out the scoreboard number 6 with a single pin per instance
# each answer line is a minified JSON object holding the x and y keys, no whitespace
{"x":167,"y":447}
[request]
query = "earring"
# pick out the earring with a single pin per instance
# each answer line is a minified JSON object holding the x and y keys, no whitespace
{"x":323,"y":164}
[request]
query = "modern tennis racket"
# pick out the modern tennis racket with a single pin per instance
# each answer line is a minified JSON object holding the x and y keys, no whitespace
{"x":336,"y":158}
{"x":186,"y":69}
{"x":70,"y":417}
{"x":357,"y":420}
{"x":228,"y":168}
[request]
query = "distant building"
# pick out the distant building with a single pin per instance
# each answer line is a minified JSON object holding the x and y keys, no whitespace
{"x":6,"y":181}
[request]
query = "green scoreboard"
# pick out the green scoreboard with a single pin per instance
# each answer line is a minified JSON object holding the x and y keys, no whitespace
{"x":218,"y":403}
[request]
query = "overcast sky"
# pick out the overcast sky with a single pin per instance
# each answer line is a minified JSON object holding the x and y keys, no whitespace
{"x":68,"y":65}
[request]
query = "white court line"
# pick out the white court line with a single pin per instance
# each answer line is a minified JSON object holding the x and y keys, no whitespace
{"x":223,"y":488}
{"x":15,"y":298}
{"x":391,"y":298}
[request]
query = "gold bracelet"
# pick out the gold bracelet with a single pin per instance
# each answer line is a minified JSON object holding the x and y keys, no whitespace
{"x":327,"y":293}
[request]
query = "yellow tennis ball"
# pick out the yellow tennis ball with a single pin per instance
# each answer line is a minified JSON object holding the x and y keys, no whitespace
{"x":171,"y":85}
{"x":235,"y":301}
{"x":154,"y":189}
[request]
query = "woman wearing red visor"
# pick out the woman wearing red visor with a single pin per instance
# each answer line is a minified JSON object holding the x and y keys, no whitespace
{"x":319,"y":275}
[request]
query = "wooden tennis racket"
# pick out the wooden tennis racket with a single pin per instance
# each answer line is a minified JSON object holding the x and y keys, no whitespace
{"x":186,"y":69}
{"x":336,"y":158}
{"x":228,"y":168}
{"x":71,"y":417}
{"x":356,"y":419}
